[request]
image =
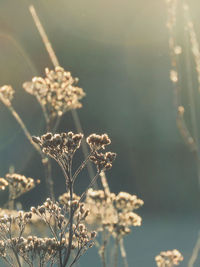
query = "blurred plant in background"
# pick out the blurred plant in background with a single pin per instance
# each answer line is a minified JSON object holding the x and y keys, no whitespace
{"x":185,"y":76}
{"x":169,"y":258}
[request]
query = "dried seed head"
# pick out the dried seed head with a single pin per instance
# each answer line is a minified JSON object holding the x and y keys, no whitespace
{"x":58,"y":145}
{"x":6,"y":94}
{"x":56,"y":91}
{"x":97,"y":142}
{"x":111,"y":212}
{"x":168,"y":258}
{"x":103,"y":161}
{"x":125,"y":201}
{"x":19,"y":184}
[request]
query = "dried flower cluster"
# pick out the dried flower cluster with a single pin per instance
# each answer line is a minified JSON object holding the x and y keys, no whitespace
{"x":15,"y":246}
{"x":15,"y":243}
{"x":168,"y":258}
{"x":59,"y":146}
{"x":97,"y":142}
{"x":113,"y":212}
{"x":34,"y":225}
{"x":62,"y":147}
{"x":18,"y":184}
{"x":8,"y":221}
{"x":58,"y":217}
{"x":102,"y":161}
{"x":6,"y":94}
{"x":56,"y":92}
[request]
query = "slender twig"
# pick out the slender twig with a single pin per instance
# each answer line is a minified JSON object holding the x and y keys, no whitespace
{"x":123,"y":252}
{"x":83,"y":144}
{"x":48,"y":176}
{"x":25,"y":130}
{"x":44,"y":111}
{"x":55,"y":62}
{"x":57,"y":122}
{"x":191,"y":101}
{"x":45,"y":160}
{"x":81,"y":167}
{"x":47,"y":166}
{"x":89,"y":186}
{"x":66,"y":259}
{"x":195,"y":252}
{"x":102,"y":250}
{"x":45,"y":39}
{"x":105,"y":183}
{"x":186,"y":135}
{"x":121,"y":241}
{"x":192,"y":142}
{"x":8,"y":262}
{"x":76,"y":258}
{"x":16,"y":256}
{"x":116,"y":247}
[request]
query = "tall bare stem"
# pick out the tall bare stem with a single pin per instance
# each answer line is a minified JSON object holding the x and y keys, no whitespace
{"x":55,"y":62}
{"x":45,"y":160}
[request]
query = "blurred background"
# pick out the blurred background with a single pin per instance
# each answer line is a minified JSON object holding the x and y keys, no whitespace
{"x":119,"y":50}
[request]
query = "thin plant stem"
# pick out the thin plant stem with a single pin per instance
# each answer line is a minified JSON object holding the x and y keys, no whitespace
{"x":105,"y":183}
{"x":46,"y":163}
{"x":191,"y":102}
{"x":121,"y":241}
{"x":57,"y":122}
{"x":81,"y":167}
{"x":195,"y":253}
{"x":67,"y":170}
{"x":23,"y":126}
{"x":102,"y":251}
{"x":89,"y":186}
{"x":45,"y":160}
{"x":48,"y":176}
{"x":8,"y":262}
{"x":55,"y":62}
{"x":71,"y":215}
{"x":83,"y":145}
{"x":116,"y":247}
{"x":46,"y":117}
{"x":44,"y":36}
{"x":193,"y":143}
{"x":123,"y":252}
{"x":17,"y":257}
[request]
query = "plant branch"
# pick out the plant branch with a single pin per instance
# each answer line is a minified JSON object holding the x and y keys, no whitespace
{"x":55,"y":62}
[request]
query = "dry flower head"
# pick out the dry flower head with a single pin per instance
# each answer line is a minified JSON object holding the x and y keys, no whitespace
{"x":19,"y":184}
{"x":58,"y":145}
{"x":56,"y":91}
{"x":6,"y":94}
{"x":113,"y":212}
{"x":169,"y":258}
